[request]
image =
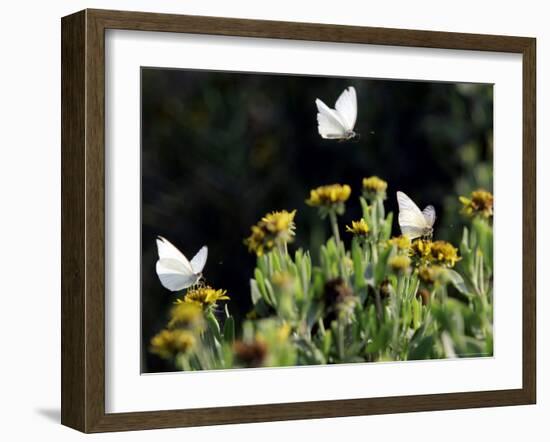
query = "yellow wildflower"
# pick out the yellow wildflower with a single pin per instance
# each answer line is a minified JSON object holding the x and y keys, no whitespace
{"x":168,"y":343}
{"x":374,"y":186}
{"x":187,"y":315}
{"x":479,"y":203}
{"x":359,"y":228}
{"x":329,"y":196}
{"x":429,"y":274}
{"x":257,"y":242}
{"x":400,"y":263}
{"x":444,"y":253}
{"x":205,"y":296}
{"x":402,"y":242}
{"x":275,"y":228}
{"x":280,"y":224}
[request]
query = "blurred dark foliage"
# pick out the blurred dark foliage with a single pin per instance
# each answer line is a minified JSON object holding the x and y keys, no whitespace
{"x":219,"y":150}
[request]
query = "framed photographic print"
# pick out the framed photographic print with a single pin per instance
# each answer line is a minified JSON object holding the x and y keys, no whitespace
{"x":266,"y":220}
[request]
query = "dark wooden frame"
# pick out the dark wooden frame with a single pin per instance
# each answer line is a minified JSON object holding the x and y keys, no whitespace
{"x":83,"y":216}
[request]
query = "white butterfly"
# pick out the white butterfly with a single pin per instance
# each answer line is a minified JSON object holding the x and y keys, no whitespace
{"x":338,"y":123}
{"x":174,"y":270}
{"x":413,"y":222}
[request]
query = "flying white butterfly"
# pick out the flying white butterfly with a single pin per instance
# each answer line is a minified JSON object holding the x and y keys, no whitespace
{"x":173,"y":268}
{"x":413,"y":222}
{"x":338,"y":123}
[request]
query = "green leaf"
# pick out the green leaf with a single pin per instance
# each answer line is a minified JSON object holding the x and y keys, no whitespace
{"x":298,"y":258}
{"x":381,"y":340}
{"x":327,"y":343}
{"x":474,"y":347}
{"x":262,"y":264}
{"x":357,"y":257}
{"x":380,"y":268}
{"x":369,"y":274}
{"x":314,"y":313}
{"x":259,"y":276}
{"x":484,"y":233}
{"x":255,"y":292}
{"x":365,"y":208}
{"x":276,"y":260}
{"x":271,"y":300}
{"x":456,"y":279}
{"x":213,"y":325}
{"x":423,"y":349}
{"x":416,"y":305}
{"x":465,"y":243}
{"x":229,"y":330}
{"x":385,"y":232}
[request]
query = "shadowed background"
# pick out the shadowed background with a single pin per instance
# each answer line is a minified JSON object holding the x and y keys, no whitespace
{"x":219,"y":150}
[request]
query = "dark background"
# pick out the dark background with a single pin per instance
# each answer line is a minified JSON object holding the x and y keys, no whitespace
{"x":219,"y":150}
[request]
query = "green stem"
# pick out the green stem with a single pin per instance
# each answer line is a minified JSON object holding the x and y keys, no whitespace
{"x":283,"y":251}
{"x":341,"y":343}
{"x":374,"y":253}
{"x":373,"y":220}
{"x":334,"y":225}
{"x":336,"y":233}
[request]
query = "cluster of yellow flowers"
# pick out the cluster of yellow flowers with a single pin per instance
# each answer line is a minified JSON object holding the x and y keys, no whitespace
{"x":374,"y":186}
{"x":480,"y":203}
{"x":429,"y":255}
{"x":276,"y":228}
{"x":436,"y":252}
{"x":331,"y":196}
{"x":186,"y":322}
{"x":169,"y":342}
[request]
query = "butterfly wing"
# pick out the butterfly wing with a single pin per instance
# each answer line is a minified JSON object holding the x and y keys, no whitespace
{"x":330,"y":125}
{"x":429,"y":215}
{"x":199,"y":260}
{"x":167,"y":250}
{"x":346,"y":106}
{"x":174,"y":275}
{"x":411,"y":219}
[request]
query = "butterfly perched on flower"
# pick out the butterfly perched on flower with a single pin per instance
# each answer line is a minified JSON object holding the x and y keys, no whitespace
{"x":174,"y":270}
{"x":414,"y":223}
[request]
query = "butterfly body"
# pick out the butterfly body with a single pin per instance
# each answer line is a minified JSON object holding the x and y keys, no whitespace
{"x":338,"y":123}
{"x":174,"y":270}
{"x":415,"y":223}
{"x":349,"y":135}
